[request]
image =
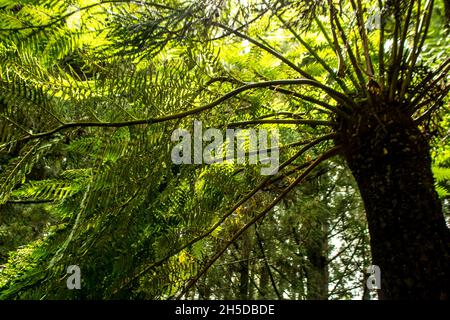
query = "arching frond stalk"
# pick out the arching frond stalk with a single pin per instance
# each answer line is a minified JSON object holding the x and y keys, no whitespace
{"x":292,"y":94}
{"x":337,"y":95}
{"x":315,"y":55}
{"x":381,"y":67}
{"x":308,"y":122}
{"x":420,"y":35}
{"x":398,"y":57}
{"x":335,"y":20}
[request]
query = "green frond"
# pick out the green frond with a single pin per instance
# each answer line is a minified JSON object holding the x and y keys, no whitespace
{"x":441,"y":174}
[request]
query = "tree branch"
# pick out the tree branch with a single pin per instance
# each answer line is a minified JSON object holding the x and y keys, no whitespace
{"x":393,"y":63}
{"x":29,"y":201}
{"x":381,"y":43}
{"x":436,"y":105}
{"x":318,"y":102}
{"x":263,"y":84}
{"x":357,"y":7}
{"x":429,"y":83}
{"x":334,"y":21}
{"x":313,"y":100}
{"x":312,"y":123}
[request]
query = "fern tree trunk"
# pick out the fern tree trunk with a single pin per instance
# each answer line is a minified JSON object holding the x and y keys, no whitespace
{"x":390,"y":160}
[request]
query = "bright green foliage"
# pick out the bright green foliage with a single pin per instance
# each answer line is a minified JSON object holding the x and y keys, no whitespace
{"x":85,"y":148}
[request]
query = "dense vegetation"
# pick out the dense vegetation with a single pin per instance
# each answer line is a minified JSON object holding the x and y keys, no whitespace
{"x":91,"y":92}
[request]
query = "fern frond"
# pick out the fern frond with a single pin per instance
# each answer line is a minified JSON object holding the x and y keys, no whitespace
{"x":441,"y":174}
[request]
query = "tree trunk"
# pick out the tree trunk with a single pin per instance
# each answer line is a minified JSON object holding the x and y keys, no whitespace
{"x":390,"y":160}
{"x":244,"y":270}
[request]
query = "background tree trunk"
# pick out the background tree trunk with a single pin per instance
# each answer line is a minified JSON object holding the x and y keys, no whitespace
{"x":447,"y":12}
{"x":244,"y":273}
{"x":390,"y":160}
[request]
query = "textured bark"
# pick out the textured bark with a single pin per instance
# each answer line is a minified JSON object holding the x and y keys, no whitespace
{"x":263,"y":283}
{"x":390,"y":160}
{"x":317,"y":272}
{"x":244,"y":272}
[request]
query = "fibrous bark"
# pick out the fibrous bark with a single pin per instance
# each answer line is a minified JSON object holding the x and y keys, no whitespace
{"x":390,"y":160}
